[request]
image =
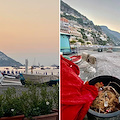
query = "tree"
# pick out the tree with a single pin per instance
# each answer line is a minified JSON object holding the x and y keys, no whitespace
{"x":73,"y":41}
{"x":82,"y":30}
{"x":84,"y":36}
{"x":80,"y":40}
{"x":88,"y":43}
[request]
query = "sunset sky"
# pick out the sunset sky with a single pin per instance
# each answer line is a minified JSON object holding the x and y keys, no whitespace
{"x":29,"y":29}
{"x":101,"y":12}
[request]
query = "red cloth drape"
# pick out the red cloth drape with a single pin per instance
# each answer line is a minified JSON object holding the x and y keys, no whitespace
{"x":76,"y":97}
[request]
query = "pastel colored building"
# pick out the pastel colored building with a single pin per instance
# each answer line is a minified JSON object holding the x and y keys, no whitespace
{"x":64,"y":25}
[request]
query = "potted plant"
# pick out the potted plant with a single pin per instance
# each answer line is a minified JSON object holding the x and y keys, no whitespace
{"x":42,"y":103}
{"x":10,"y":106}
{"x":37,"y":102}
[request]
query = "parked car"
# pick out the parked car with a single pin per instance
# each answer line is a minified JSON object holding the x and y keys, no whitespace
{"x":100,"y":49}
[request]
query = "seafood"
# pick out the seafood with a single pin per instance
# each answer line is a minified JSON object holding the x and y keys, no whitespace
{"x":107,"y":100}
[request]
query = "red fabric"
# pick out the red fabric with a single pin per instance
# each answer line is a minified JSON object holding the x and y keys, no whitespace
{"x":76,"y":97}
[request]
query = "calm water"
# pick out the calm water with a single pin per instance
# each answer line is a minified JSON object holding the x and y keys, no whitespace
{"x":116,"y":49}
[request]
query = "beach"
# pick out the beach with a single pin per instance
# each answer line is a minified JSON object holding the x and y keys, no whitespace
{"x":15,"y":82}
{"x":106,"y":64}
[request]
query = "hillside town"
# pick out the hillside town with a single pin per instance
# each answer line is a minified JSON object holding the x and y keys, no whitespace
{"x":81,"y":29}
{"x":84,"y":35}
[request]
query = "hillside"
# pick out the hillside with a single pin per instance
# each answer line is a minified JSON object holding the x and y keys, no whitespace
{"x":7,"y":61}
{"x":80,"y":25}
{"x":72,"y":14}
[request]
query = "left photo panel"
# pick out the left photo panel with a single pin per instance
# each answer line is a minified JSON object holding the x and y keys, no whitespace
{"x":29,"y":59}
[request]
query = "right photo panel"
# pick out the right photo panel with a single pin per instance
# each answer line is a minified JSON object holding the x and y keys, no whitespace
{"x":89,"y":60}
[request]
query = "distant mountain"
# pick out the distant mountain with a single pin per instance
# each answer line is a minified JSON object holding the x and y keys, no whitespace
{"x":7,"y":61}
{"x":115,"y":36}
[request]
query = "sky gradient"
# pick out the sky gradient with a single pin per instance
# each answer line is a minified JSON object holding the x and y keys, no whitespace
{"x":29,"y":29}
{"x":101,"y":12}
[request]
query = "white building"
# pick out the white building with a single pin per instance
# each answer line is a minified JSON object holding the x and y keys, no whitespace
{"x":103,"y":39}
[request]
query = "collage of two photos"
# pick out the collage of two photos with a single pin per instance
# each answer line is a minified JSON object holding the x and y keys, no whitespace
{"x":59,"y":60}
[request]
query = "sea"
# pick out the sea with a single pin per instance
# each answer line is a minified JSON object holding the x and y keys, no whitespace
{"x":116,"y":49}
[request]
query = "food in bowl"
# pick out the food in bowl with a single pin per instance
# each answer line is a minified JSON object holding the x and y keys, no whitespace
{"x":108,"y":99}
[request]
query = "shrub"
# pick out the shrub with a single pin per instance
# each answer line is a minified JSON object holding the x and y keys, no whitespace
{"x":80,"y":40}
{"x":73,"y":41}
{"x":32,"y":102}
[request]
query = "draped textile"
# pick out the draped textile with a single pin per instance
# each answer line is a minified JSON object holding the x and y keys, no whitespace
{"x":75,"y":96}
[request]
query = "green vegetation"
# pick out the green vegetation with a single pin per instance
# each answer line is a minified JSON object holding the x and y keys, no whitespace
{"x":80,"y":40}
{"x":84,"y":36}
{"x":93,"y":35}
{"x":101,"y":42}
{"x":88,"y":43}
{"x":34,"y":101}
{"x":82,"y":30}
{"x":73,"y":41}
